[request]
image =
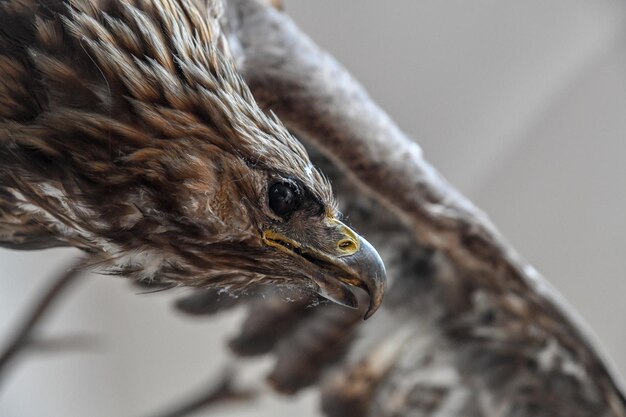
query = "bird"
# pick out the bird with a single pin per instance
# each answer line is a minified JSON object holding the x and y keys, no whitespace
{"x":127,"y":132}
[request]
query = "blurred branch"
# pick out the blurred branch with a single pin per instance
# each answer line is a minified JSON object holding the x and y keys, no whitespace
{"x":23,"y":337}
{"x":70,"y":342}
{"x":224,"y":391}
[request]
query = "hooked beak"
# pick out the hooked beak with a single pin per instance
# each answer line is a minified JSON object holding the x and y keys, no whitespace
{"x":351,"y":261}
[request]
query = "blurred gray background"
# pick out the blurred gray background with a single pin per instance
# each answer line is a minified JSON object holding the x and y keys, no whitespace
{"x":521,"y":104}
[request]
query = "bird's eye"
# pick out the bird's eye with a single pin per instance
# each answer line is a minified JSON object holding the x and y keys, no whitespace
{"x":284,"y":199}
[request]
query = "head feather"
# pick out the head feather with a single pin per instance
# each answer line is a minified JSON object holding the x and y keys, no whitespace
{"x":124,"y":122}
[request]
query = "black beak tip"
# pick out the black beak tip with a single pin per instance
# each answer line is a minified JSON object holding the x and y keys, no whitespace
{"x":370,"y":269}
{"x":375,"y":302}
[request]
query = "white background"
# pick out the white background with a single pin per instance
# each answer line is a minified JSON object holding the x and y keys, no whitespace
{"x":522,"y":105}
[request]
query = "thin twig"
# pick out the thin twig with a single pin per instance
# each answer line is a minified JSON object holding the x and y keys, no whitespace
{"x":224,"y":391}
{"x":42,"y":307}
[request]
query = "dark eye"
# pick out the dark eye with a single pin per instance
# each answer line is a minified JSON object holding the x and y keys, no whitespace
{"x":284,"y":199}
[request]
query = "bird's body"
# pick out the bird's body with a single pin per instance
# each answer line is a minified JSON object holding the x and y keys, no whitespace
{"x":126,"y":131}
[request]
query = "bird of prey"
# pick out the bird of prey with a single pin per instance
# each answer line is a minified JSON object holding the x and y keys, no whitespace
{"x":126,"y":131}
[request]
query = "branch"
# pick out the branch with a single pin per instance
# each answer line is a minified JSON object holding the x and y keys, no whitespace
{"x":23,"y":335}
{"x":224,"y":391}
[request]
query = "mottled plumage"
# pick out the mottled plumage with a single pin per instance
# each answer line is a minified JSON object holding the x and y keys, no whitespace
{"x":126,"y":131}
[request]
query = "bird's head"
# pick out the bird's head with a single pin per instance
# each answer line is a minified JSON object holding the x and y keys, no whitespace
{"x":267,"y":215}
{"x":135,"y":139}
{"x":299,"y":227}
{"x":294,"y":236}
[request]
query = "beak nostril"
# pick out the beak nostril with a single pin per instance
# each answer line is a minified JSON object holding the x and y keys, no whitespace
{"x":346,"y":244}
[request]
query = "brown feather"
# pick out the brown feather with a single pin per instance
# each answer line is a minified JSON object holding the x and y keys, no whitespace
{"x":126,"y":131}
